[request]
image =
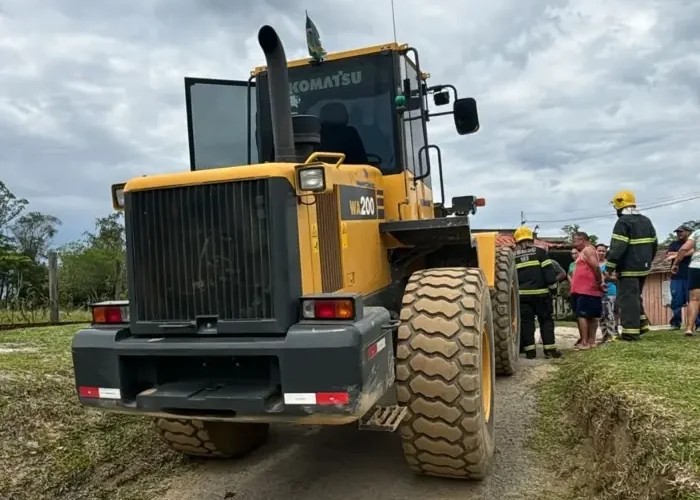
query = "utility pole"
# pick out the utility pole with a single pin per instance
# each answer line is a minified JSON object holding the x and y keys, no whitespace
{"x":522,"y":218}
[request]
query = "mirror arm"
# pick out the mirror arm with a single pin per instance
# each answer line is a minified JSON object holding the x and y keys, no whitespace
{"x":443,"y":113}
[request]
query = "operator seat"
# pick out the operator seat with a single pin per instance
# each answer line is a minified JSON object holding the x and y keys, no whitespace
{"x":339,"y":137}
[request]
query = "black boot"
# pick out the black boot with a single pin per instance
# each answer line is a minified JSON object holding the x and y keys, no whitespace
{"x":531,"y":354}
{"x":628,"y":337}
{"x":552,"y":354}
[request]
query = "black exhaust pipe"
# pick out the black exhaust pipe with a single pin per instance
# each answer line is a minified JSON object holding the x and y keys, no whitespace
{"x":278,"y":84}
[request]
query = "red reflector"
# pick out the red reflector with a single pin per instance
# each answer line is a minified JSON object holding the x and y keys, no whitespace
{"x":324,"y":309}
{"x":480,"y":202}
{"x":372,"y":351}
{"x":332,"y":398}
{"x":89,"y":392}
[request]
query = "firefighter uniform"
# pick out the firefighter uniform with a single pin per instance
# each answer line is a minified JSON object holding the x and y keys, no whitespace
{"x":633,"y":246}
{"x":538,"y":280}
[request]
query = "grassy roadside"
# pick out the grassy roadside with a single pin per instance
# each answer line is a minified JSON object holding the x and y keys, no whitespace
{"x":51,"y":447}
{"x":623,"y":421}
{"x":14,"y":317}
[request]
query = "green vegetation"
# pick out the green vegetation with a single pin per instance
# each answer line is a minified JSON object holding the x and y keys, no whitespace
{"x":90,"y":269}
{"x":623,"y":421}
{"x":51,"y":447}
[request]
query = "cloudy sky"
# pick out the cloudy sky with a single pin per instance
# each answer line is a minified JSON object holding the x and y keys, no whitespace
{"x":578,"y":98}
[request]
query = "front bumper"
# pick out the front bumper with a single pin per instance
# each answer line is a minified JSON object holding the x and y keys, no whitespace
{"x":317,"y":373}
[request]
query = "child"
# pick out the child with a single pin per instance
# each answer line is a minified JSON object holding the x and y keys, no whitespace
{"x":608,"y":320}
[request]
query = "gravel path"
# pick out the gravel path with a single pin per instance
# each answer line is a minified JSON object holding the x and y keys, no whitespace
{"x":344,"y":464}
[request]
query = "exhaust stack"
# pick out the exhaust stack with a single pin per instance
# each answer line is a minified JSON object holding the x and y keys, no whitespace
{"x":278,"y":84}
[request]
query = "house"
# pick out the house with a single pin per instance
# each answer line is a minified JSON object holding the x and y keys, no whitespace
{"x":653,"y":294}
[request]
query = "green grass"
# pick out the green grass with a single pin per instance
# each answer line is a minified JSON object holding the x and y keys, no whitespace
{"x":623,"y":420}
{"x":14,"y":317}
{"x":51,"y":447}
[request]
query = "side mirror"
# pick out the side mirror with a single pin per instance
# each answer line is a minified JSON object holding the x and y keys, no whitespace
{"x":466,"y":116}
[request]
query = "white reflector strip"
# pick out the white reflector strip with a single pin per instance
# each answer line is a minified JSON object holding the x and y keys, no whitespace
{"x":299,"y":398}
{"x":109,"y":393}
{"x":381,"y":345}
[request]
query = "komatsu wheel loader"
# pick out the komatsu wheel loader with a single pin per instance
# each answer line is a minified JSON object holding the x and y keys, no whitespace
{"x":302,"y":272}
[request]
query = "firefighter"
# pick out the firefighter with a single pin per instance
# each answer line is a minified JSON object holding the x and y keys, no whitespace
{"x":538,"y":281}
{"x":633,"y":246}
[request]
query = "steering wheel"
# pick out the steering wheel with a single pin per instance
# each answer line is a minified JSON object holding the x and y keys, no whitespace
{"x":376,"y":163}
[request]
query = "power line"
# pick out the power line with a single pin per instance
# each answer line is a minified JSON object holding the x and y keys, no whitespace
{"x":609,"y":215}
{"x":660,"y":200}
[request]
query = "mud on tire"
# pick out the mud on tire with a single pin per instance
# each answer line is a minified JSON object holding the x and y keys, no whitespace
{"x":441,"y":376}
{"x":505,"y":302}
{"x":212,"y":438}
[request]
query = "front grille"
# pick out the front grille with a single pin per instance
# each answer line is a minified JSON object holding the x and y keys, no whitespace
{"x":211,"y":252}
{"x":329,"y":242}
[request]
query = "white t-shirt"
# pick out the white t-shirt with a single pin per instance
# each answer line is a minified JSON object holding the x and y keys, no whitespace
{"x":695,"y":259}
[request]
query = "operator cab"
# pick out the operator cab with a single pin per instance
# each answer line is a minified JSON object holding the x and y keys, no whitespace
{"x":372,"y":105}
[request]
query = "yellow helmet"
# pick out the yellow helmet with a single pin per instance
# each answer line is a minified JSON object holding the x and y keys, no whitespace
{"x":523,"y":233}
{"x":623,"y":199}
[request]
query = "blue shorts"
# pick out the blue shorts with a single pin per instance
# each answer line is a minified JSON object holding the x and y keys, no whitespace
{"x":587,"y":306}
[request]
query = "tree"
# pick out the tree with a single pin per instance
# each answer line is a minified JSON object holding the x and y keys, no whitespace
{"x":570,"y":229}
{"x":10,"y":207}
{"x":692,"y":224}
{"x":33,"y":232}
{"x":94,"y":269}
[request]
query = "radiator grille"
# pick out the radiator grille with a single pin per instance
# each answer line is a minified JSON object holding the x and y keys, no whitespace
{"x":201,"y":250}
{"x":329,"y":242}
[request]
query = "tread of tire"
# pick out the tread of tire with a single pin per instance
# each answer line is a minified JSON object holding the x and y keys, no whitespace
{"x":507,"y":355}
{"x":213,"y":439}
{"x":437,"y":373}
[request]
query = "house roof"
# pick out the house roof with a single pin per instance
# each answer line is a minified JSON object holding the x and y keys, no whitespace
{"x":506,"y":240}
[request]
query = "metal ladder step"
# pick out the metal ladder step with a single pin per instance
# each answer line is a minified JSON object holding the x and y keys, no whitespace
{"x":383,"y":418}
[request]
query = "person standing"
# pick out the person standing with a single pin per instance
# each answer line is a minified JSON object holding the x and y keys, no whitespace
{"x":537,"y":279}
{"x":608,"y":319}
{"x":633,"y":246}
{"x":587,"y":288}
{"x":680,"y":292}
{"x":692,"y":244}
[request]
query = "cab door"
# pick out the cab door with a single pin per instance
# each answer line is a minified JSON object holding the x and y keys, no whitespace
{"x":221,"y":123}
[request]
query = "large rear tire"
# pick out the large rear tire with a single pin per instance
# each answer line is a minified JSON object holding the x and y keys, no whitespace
{"x":505,"y":301}
{"x":445,"y":373}
{"x":212,"y":438}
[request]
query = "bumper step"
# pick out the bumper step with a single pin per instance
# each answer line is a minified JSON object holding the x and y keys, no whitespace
{"x":383,"y":418}
{"x":208,"y":395}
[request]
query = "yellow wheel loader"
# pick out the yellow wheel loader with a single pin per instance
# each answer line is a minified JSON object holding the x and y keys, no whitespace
{"x":301,"y":271}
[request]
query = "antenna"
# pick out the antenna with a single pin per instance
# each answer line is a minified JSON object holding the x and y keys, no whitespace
{"x":393,"y":20}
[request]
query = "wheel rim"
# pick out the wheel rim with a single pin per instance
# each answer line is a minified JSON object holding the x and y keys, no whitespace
{"x":486,"y":393}
{"x":513,"y":313}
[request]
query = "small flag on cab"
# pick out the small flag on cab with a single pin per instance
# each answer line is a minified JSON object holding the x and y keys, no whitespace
{"x":313,"y":40}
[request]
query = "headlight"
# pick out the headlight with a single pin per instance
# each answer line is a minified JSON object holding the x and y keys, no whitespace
{"x":312,"y":179}
{"x":118,"y":196}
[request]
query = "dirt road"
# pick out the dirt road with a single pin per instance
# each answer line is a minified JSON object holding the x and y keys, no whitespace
{"x":344,"y":464}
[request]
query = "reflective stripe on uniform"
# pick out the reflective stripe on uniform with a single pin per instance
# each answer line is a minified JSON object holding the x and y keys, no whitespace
{"x":553,"y":287}
{"x":641,"y":241}
{"x":631,"y":331}
{"x":547,"y":262}
{"x":634,"y":274}
{"x":536,"y":291}
{"x":550,"y":347}
{"x":529,"y":263}
{"x":644,"y":329}
{"x":610,"y":265}
{"x":619,"y":237}
{"x":529,"y":348}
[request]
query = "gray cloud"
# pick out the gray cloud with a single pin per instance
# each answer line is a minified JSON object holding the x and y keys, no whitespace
{"x":577,"y":98}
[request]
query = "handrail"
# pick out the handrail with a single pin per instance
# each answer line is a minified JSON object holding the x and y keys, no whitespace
{"x":313,"y":157}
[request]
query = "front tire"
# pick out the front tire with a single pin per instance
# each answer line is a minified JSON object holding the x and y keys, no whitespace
{"x":505,"y":300}
{"x":445,"y":373}
{"x":216,"y":439}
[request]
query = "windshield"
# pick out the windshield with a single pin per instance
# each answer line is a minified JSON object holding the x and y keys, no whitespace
{"x":353,"y":99}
